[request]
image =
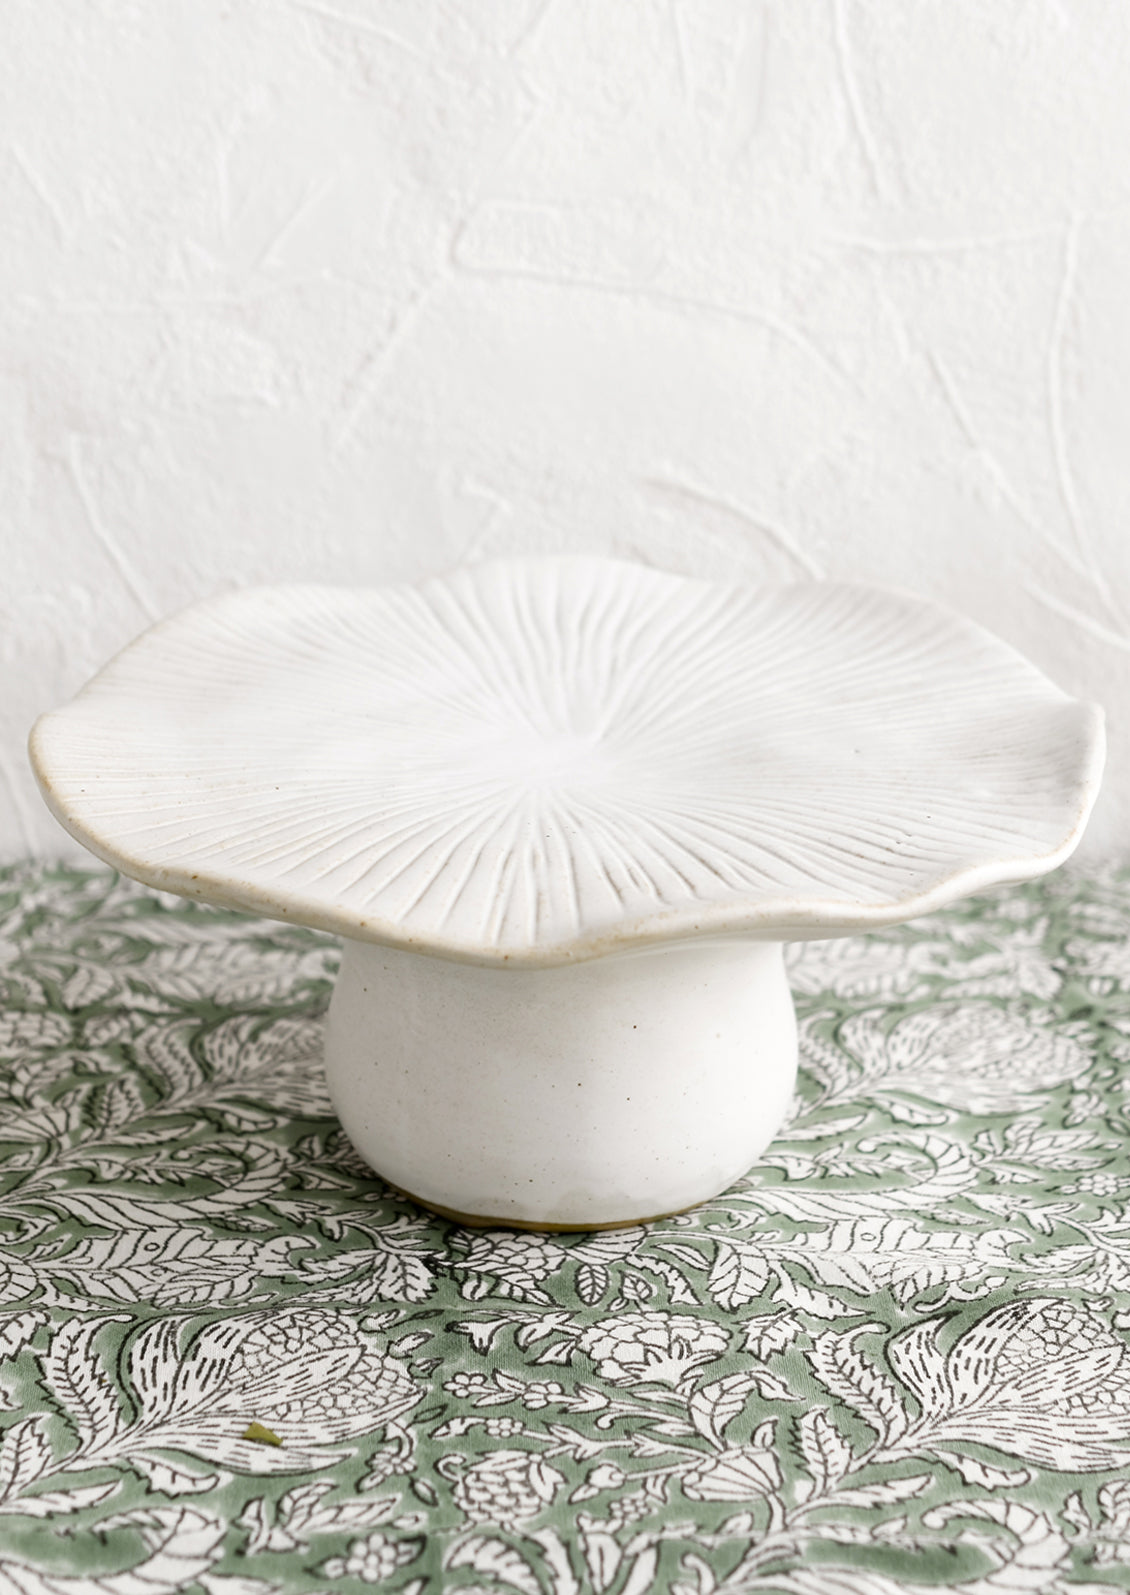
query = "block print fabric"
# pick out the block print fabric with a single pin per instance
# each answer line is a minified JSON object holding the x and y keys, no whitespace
{"x":895,"y":1357}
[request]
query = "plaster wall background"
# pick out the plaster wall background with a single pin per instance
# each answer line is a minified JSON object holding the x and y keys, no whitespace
{"x":353,"y":291}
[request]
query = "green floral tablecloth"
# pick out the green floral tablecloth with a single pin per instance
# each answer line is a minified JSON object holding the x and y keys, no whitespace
{"x":896,"y":1356}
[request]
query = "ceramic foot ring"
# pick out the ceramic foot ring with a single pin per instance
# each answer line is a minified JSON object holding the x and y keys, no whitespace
{"x":564,"y":812}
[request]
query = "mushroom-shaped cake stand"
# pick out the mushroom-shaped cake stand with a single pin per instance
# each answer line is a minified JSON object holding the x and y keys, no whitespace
{"x":564,"y":812}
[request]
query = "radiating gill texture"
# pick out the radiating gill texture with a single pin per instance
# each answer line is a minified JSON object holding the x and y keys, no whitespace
{"x":542,"y":759}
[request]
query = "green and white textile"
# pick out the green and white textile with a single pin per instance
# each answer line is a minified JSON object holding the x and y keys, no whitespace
{"x":895,"y":1357}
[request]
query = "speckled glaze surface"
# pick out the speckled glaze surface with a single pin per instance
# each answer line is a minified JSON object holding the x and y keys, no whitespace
{"x":559,"y":772}
{"x":578,"y":1097}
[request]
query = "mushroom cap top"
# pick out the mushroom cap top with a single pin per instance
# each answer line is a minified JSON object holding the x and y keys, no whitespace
{"x":539,"y":760}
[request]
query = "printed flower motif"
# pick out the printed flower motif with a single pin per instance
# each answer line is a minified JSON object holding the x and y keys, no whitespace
{"x":1044,"y":1383}
{"x":507,"y":1488}
{"x":605,"y":1476}
{"x":502,"y":1263}
{"x":977,"y":1058}
{"x":738,"y":1474}
{"x":274,"y":1340}
{"x":1099,"y":1183}
{"x":1041,"y":1333}
{"x":1044,"y":1380}
{"x":1018,"y":967}
{"x":373,"y":1560}
{"x":502,"y":1428}
{"x":882,"y":968}
{"x":310,"y":1376}
{"x":652,"y":1347}
{"x":860,"y":967}
{"x":463,"y":1385}
{"x":631,"y":1507}
{"x":499,"y":1251}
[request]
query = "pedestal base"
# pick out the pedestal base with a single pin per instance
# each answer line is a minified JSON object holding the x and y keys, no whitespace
{"x":578,"y":1097}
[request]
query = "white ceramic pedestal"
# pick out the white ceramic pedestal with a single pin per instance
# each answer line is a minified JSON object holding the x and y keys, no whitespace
{"x":561,"y":809}
{"x":578,"y":1097}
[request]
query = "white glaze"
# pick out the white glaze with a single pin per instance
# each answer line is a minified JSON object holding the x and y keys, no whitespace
{"x":537,"y":797}
{"x":537,"y":761}
{"x":601,"y":1092}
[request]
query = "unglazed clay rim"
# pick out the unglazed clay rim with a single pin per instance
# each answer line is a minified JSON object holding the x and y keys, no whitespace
{"x":77,"y":751}
{"x":479,"y":1221}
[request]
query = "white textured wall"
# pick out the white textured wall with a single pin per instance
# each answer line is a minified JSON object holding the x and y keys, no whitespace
{"x":356,"y":290}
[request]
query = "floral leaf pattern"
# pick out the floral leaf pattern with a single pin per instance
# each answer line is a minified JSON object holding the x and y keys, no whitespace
{"x":894,"y":1357}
